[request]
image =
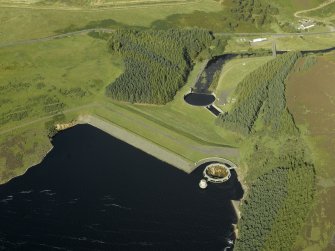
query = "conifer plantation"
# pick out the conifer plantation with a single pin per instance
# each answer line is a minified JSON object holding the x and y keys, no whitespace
{"x":281,"y":175}
{"x":263,"y":86}
{"x":157,"y":63}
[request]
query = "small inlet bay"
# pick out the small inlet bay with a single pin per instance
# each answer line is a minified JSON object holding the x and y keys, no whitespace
{"x":95,"y":192}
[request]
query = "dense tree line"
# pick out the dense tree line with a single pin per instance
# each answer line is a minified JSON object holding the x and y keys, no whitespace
{"x":236,"y":15}
{"x":294,"y":209}
{"x":280,"y":196}
{"x":276,"y":114}
{"x":254,"y":11}
{"x":157,"y":63}
{"x":281,"y":174}
{"x":276,"y":208}
{"x":260,"y":209}
{"x":264,"y":86}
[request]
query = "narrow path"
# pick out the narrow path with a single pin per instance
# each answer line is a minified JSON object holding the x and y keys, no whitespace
{"x":102,"y":8}
{"x":106,"y":30}
{"x":47,"y":117}
{"x":44,"y":39}
{"x":298,"y":13}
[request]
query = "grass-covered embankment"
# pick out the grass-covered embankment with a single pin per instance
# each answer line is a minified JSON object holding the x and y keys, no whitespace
{"x":139,"y":142}
{"x":233,"y":72}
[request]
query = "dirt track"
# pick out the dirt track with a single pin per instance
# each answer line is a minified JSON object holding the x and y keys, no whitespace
{"x":298,"y":13}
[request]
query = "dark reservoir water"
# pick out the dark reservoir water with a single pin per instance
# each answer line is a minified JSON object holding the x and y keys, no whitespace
{"x":199,"y":99}
{"x":94,"y":192}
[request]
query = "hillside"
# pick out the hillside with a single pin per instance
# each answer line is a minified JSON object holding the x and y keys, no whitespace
{"x":89,"y":3}
{"x":131,"y":65}
{"x":157,"y":63}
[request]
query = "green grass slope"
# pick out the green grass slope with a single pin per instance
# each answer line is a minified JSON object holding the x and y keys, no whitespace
{"x":56,"y":81}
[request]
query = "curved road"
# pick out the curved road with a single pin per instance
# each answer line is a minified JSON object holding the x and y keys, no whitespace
{"x":304,"y":14}
{"x":299,"y":12}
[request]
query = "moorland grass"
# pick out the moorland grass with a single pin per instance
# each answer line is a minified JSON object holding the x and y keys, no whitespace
{"x":69,"y":76}
{"x":287,"y":8}
{"x":234,"y":71}
{"x":327,"y":11}
{"x":315,"y":118}
{"x":286,"y":42}
{"x":27,"y":23}
{"x":42,"y":78}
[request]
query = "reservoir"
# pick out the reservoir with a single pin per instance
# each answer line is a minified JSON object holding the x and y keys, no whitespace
{"x":199,"y":99}
{"x":94,"y":192}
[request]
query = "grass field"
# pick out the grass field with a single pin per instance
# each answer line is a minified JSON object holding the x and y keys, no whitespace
{"x":19,"y":23}
{"x":69,"y":75}
{"x":323,"y":14}
{"x":21,"y":149}
{"x":311,"y":99}
{"x":287,"y":42}
{"x":288,"y":8}
{"x":233,"y":73}
{"x":314,"y":42}
{"x":38,"y":81}
{"x":295,"y":5}
{"x":327,"y":12}
{"x":87,"y":3}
